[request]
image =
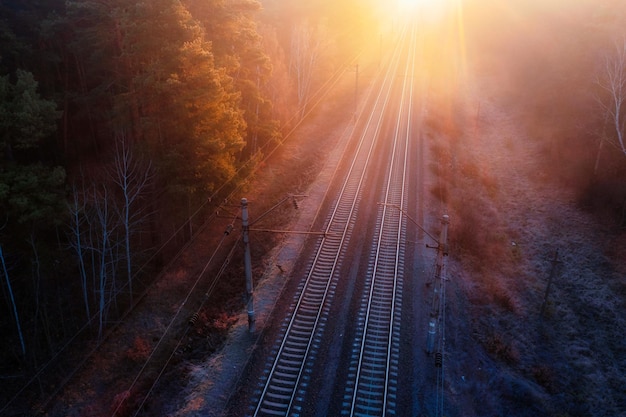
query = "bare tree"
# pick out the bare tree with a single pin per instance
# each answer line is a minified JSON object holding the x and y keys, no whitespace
{"x":102,"y":248}
{"x":612,"y":83}
{"x":104,"y":218}
{"x":306,"y":48}
{"x":18,"y":324}
{"x":133,"y":177}
{"x":36,"y":276}
{"x":77,"y":237}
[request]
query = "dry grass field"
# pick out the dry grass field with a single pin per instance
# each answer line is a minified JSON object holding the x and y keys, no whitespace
{"x":510,"y":220}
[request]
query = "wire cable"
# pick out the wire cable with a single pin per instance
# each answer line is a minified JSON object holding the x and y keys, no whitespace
{"x":169,"y":326}
{"x":180,"y":341}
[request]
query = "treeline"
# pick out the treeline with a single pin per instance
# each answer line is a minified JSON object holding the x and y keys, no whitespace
{"x":118,"y":121}
{"x":563,"y":69}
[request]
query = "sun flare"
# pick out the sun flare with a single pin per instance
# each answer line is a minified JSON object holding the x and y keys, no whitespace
{"x":429,"y":9}
{"x":414,"y":4}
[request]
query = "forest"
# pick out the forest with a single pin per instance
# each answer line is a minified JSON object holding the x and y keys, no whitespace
{"x":123,"y":123}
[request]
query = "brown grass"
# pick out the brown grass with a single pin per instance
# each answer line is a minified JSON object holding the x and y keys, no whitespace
{"x":501,"y":348}
{"x":140,"y":350}
{"x":508,"y":217}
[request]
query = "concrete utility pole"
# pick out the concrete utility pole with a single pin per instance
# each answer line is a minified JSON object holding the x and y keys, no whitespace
{"x":247,"y":263}
{"x":442,"y":250}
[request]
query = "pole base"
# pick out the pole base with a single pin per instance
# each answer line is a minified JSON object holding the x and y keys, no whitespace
{"x":251,"y":323}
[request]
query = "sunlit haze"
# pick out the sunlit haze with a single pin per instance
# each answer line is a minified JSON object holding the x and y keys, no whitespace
{"x":420,"y":9}
{"x":414,"y":4}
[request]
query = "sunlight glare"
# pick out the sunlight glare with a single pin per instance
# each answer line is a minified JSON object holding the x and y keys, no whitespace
{"x":407,"y":5}
{"x":425,"y":9}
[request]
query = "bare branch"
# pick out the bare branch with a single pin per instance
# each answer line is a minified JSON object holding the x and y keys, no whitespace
{"x":612,"y":81}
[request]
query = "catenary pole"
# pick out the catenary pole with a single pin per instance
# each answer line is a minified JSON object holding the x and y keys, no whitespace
{"x":247,"y":264}
{"x":442,"y":250}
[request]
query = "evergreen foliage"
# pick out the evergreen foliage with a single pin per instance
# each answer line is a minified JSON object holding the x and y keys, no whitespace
{"x":186,"y":89}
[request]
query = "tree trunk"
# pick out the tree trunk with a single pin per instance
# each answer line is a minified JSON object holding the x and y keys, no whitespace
{"x":15,"y":313}
{"x":77,"y":233}
{"x":596,"y":166}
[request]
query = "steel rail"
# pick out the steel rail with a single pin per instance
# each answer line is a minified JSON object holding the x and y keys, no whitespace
{"x":281,"y":389}
{"x":373,"y":385}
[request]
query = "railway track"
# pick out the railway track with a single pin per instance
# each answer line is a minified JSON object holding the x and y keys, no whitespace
{"x":373,"y":371}
{"x":287,"y":374}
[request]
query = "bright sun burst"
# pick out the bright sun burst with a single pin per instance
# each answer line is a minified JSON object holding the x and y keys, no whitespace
{"x":414,"y":4}
{"x":422,"y":7}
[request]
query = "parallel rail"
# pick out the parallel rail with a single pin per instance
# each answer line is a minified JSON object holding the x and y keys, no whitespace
{"x":373,"y":373}
{"x":284,"y":384}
